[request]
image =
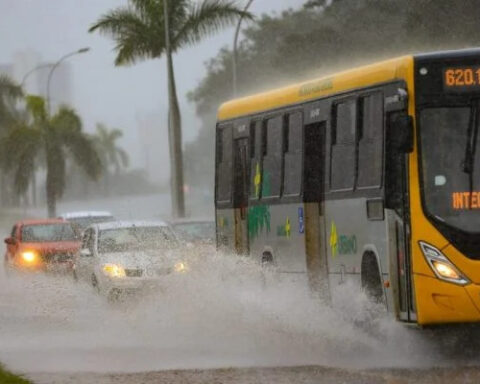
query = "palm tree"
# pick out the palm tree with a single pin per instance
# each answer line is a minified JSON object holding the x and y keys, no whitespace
{"x":111,"y":155}
{"x":10,"y":94}
{"x":50,"y":137}
{"x":142,"y":31}
{"x":109,"y":152}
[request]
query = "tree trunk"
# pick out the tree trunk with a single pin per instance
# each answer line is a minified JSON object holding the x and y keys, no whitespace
{"x":34,"y":189}
{"x":51,"y":192}
{"x":174,"y":131}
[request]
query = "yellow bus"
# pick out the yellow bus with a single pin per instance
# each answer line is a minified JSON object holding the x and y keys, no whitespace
{"x":370,"y":175}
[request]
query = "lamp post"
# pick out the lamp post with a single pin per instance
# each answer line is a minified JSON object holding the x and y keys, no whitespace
{"x":24,"y":79}
{"x":235,"y":53}
{"x":55,"y":66}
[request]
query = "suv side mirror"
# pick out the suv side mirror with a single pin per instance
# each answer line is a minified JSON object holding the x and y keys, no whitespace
{"x":10,"y":241}
{"x":85,"y":252}
{"x":401,"y":133}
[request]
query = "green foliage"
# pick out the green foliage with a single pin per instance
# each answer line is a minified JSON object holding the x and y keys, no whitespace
{"x":10,"y":93}
{"x":49,"y":138}
{"x":138,"y":29}
{"x":110,"y":153}
{"x":9,"y":378}
{"x":320,"y":38}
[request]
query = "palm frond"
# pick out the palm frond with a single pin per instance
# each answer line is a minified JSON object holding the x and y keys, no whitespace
{"x":147,"y":8}
{"x":115,"y":134}
{"x":84,"y":153}
{"x":66,"y":122}
{"x":136,"y":37}
{"x":19,"y":151}
{"x":207,"y":18}
{"x":36,"y":107}
{"x":8,"y":88}
{"x":124,"y":158}
{"x":10,"y":93}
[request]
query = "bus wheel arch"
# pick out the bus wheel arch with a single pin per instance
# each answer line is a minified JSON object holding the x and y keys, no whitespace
{"x":267,"y":256}
{"x":371,"y":277}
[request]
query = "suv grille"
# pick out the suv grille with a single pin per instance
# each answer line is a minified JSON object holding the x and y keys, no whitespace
{"x":133,"y":272}
{"x":60,"y":257}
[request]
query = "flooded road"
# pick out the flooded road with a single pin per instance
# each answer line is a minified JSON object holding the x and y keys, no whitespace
{"x":226,"y":321}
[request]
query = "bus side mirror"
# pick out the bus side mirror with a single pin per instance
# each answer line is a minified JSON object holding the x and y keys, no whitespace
{"x":401,"y":133}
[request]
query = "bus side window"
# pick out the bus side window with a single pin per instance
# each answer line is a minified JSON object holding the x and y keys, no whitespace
{"x":224,"y":164}
{"x":256,"y":153}
{"x":370,"y":145}
{"x":292,"y":183}
{"x":272,"y":160}
{"x":343,"y":146}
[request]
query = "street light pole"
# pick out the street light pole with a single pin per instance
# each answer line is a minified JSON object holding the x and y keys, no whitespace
{"x":55,"y":66}
{"x":235,"y":53}
{"x":24,"y":79}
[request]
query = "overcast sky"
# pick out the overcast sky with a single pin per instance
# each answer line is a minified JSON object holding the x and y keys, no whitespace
{"x":102,"y":92}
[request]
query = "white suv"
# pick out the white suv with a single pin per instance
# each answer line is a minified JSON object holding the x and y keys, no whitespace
{"x":126,"y":257}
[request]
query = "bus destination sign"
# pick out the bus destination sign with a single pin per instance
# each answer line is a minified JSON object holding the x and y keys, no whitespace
{"x":460,"y":79}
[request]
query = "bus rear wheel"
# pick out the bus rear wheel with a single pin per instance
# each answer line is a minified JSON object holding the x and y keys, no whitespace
{"x":371,"y":279}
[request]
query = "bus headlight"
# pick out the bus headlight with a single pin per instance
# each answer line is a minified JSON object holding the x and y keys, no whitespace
{"x":113,"y":270}
{"x":441,"y":266}
{"x":29,"y":257}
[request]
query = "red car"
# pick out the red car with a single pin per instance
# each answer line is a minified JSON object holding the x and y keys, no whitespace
{"x":47,"y":244}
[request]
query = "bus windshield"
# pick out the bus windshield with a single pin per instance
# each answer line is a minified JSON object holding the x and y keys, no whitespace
{"x":451,"y":167}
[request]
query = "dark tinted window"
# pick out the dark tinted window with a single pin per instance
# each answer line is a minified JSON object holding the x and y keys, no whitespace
{"x":342,"y":171}
{"x":272,"y":161}
{"x":135,"y":239}
{"x":224,"y":164}
{"x":370,"y":146}
{"x":293,"y":155}
{"x":42,"y":233}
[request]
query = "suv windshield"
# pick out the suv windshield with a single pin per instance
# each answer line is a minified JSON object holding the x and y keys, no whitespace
{"x":135,"y":239}
{"x":42,"y":233}
{"x":196,"y":231}
{"x":81,"y":223}
{"x":446,"y":175}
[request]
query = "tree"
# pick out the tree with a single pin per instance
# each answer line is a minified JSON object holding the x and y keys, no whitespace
{"x":109,"y":152}
{"x":50,"y":137}
{"x":10,"y":94}
{"x":140,"y":32}
{"x":323,"y":37}
{"x":111,"y":155}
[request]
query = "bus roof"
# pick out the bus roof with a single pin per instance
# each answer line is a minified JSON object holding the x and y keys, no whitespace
{"x":398,"y":68}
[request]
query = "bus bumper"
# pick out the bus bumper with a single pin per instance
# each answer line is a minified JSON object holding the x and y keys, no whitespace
{"x":440,"y":302}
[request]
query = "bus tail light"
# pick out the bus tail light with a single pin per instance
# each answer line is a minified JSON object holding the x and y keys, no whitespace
{"x":441,"y":266}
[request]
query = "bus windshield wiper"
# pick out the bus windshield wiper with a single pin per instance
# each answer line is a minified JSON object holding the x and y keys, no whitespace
{"x":471,"y":148}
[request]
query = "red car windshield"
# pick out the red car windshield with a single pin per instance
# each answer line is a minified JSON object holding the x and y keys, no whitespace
{"x":43,"y":233}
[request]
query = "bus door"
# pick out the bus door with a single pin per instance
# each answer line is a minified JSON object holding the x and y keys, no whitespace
{"x":397,"y":200}
{"x":241,"y":191}
{"x":314,"y":191}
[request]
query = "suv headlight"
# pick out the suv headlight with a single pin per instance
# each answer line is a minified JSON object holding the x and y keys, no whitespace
{"x":113,"y":270}
{"x":441,"y":266}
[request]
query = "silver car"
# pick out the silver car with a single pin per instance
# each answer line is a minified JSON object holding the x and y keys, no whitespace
{"x":127,"y":257}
